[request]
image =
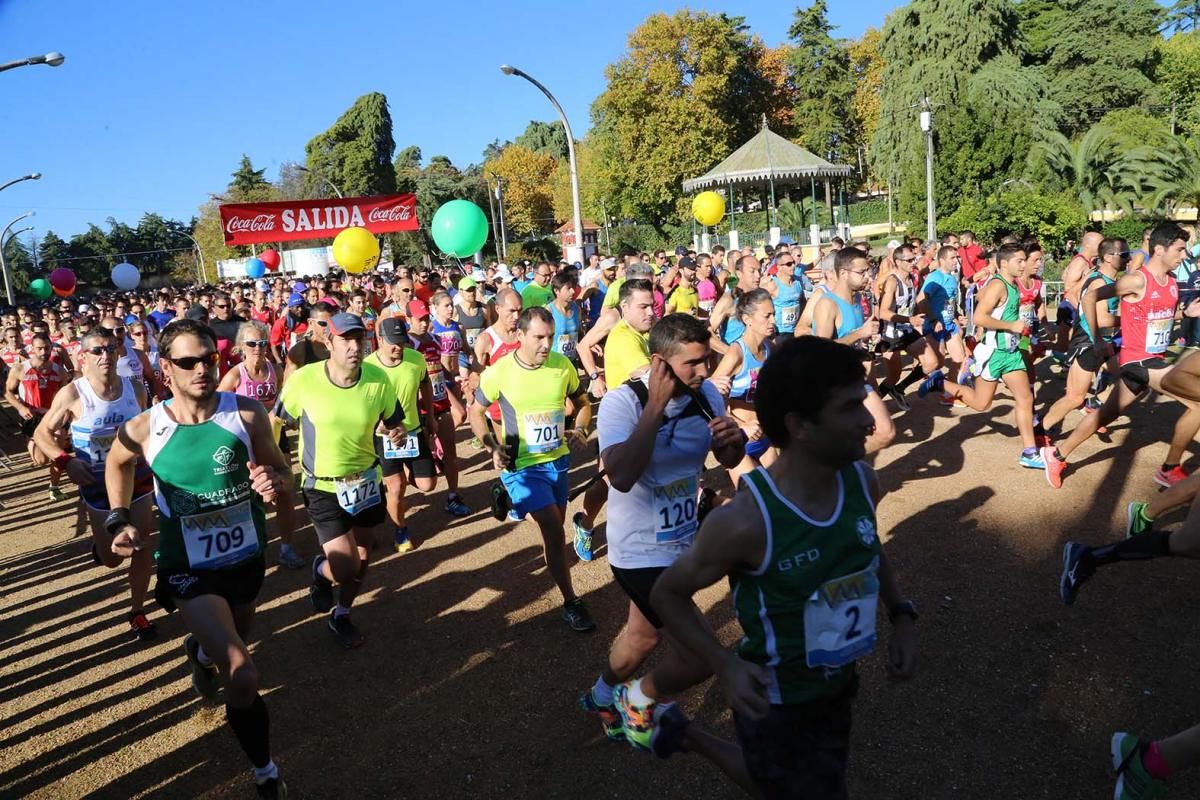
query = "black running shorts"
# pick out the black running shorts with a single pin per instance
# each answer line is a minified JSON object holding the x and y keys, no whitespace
{"x":420,"y":466}
{"x":637,"y":583}
{"x":799,"y":752}
{"x":330,"y":520}
{"x":1136,"y":374}
{"x":239,"y":584}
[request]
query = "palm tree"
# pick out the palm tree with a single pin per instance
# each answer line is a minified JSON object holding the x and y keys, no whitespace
{"x":1089,"y":166}
{"x":1169,"y":177}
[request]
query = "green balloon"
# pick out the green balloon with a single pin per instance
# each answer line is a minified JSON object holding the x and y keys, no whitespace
{"x":459,"y":228}
{"x":40,"y":288}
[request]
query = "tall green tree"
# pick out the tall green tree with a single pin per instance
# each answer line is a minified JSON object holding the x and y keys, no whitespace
{"x":247,"y":182}
{"x":544,"y":137}
{"x":1086,"y":167}
{"x":356,"y":152}
{"x":1178,"y":77}
{"x":966,"y":56}
{"x":675,"y":104}
{"x":1184,"y":15}
{"x":50,"y":249}
{"x":92,"y":255}
{"x":1097,"y":55}
{"x":821,"y":72}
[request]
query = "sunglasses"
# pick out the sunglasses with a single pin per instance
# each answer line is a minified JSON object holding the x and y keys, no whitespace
{"x":406,"y":291}
{"x":255,"y":343}
{"x":189,"y":363}
{"x":138,"y":333}
{"x":220,"y":305}
{"x":321,"y":323}
{"x":787,"y":263}
{"x":100,"y":349}
{"x":112,"y":331}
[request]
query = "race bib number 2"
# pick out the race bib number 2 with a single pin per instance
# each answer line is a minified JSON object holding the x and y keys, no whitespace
{"x":839,"y":619}
{"x":219,"y":538}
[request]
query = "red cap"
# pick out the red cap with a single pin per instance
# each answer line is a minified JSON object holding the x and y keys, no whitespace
{"x":417,"y":309}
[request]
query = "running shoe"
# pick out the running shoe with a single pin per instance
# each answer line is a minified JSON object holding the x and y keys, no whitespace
{"x":455,"y":506}
{"x":1054,"y":467}
{"x":289,"y":558}
{"x":898,"y":396}
{"x":935,"y":380}
{"x":321,"y":590}
{"x":1136,"y":521}
{"x":475,"y":443}
{"x":583,"y":538}
{"x":610,"y":717}
{"x":1134,"y":782}
{"x":56,"y":494}
{"x":345,"y":631}
{"x":1169,"y":478}
{"x":501,"y":503}
{"x":637,"y":720}
{"x":142,"y":629}
{"x":670,"y":727}
{"x":1034,"y":461}
{"x":513,"y":516}
{"x":272,"y":789}
{"x":401,"y":541}
{"x":952,"y":402}
{"x":575,"y":613}
{"x":205,"y":681}
{"x":1075,"y":571}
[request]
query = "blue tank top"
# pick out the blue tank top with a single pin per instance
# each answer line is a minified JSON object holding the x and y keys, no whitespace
{"x":732,"y":329}
{"x":787,"y":305}
{"x":851,"y":314}
{"x":746,"y":380}
{"x":566,"y":330}
{"x":596,"y":303}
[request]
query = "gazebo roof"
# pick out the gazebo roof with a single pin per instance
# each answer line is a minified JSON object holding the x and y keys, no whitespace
{"x":766,"y":157}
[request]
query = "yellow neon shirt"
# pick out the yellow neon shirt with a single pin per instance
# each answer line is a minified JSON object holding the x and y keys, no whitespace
{"x":532,"y":405}
{"x":625,"y":352}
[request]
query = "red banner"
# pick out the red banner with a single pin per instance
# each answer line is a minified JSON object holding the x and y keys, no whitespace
{"x":258,"y":223}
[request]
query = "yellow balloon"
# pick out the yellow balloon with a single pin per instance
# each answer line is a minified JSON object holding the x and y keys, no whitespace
{"x":356,"y":250}
{"x":708,"y":208}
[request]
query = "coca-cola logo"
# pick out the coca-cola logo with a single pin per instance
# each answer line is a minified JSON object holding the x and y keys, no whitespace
{"x":260,"y":222}
{"x":399,"y":213}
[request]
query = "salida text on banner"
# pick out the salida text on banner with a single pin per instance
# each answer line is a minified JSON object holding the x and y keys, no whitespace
{"x":257,"y":223}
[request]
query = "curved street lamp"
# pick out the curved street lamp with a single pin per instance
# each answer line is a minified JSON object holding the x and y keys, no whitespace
{"x":4,"y":264}
{"x":52,"y":59}
{"x":578,"y":219}
{"x":33,"y":176}
{"x":332,"y":185}
{"x":199,"y":255}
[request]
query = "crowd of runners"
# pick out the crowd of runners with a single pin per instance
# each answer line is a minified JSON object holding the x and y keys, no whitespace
{"x":183,"y":415}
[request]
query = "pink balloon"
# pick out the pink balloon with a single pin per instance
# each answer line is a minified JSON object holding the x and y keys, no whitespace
{"x":63,"y":279}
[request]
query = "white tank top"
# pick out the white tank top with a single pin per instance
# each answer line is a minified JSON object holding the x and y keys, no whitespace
{"x":128,"y":363}
{"x":94,"y":432}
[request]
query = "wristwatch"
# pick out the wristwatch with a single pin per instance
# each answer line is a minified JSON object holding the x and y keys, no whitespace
{"x":905,"y":608}
{"x":116,"y":519}
{"x":593,"y":375}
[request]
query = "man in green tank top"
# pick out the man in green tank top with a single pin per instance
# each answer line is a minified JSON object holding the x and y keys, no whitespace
{"x":998,"y":357}
{"x":807,"y":573}
{"x":215,"y":462}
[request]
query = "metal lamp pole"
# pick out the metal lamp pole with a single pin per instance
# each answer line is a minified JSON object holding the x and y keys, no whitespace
{"x":51,"y":59}
{"x":199,"y":256}
{"x":33,"y":176}
{"x":578,"y":219}
{"x":332,"y":185}
{"x":8,"y":292}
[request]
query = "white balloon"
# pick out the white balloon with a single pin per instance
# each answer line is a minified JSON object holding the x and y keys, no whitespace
{"x":126,"y":276}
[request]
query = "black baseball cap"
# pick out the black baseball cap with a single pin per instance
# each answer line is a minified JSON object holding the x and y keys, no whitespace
{"x":393,"y":330}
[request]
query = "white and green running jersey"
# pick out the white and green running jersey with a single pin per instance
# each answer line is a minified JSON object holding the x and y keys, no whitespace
{"x":808,"y":611}
{"x":209,"y":517}
{"x":1008,"y":311}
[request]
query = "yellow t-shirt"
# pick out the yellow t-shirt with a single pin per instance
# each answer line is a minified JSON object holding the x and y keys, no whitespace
{"x":613,"y":296}
{"x":532,"y":405}
{"x":625,"y":351}
{"x":406,"y":379}
{"x":685,"y":300}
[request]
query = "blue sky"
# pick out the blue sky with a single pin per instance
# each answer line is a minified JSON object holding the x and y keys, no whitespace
{"x":157,"y":101}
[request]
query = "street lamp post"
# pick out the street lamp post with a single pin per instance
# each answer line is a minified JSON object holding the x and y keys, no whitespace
{"x":51,"y":59}
{"x":8,"y":292}
{"x":199,"y":256}
{"x":332,"y":185}
{"x":578,"y":219}
{"x":33,"y":176}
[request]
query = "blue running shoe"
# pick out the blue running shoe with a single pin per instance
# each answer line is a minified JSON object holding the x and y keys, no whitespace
{"x":1134,"y":782}
{"x":456,"y":507}
{"x":1075,"y":571}
{"x":1034,"y":461}
{"x":583,"y":538}
{"x":936,"y":380}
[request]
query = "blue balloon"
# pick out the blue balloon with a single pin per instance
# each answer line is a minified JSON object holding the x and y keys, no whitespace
{"x":255,"y":268}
